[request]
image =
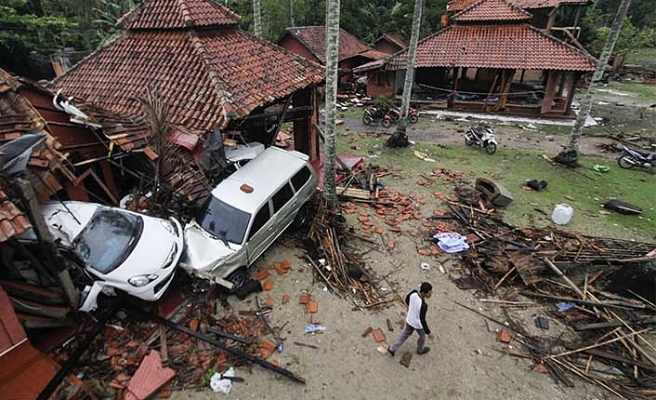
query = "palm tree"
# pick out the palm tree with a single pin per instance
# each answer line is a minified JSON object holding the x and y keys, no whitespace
{"x":400,"y":138}
{"x":257,"y":18}
{"x":570,"y":154}
{"x":332,"y":48}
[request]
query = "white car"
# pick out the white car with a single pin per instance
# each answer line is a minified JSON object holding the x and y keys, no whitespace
{"x":246,"y":213}
{"x":120,"y":249}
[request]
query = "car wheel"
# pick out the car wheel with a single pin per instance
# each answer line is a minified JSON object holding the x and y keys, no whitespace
{"x":301,"y":217}
{"x":238,"y":278}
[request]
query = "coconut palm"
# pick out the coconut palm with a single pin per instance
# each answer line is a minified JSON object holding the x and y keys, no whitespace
{"x":570,"y":154}
{"x":332,"y":47}
{"x":257,"y":18}
{"x":400,"y":138}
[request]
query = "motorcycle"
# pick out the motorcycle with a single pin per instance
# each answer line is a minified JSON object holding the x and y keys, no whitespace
{"x":631,"y":158}
{"x":393,"y":115}
{"x":482,"y":137}
{"x":372,"y":115}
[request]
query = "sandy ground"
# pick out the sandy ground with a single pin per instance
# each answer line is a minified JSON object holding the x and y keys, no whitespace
{"x":462,"y":363}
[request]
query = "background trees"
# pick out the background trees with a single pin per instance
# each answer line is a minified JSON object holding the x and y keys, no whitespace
{"x":31,"y":30}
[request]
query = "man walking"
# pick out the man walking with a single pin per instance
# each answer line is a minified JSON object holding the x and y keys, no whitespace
{"x":416,"y":319}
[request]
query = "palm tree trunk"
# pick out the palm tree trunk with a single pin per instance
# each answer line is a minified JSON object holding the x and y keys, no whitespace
{"x":332,"y":67}
{"x":291,"y":13}
{"x":400,"y":139}
{"x":257,"y":18}
{"x":570,"y":154}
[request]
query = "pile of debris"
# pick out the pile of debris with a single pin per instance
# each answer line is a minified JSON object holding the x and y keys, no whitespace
{"x":605,"y":342}
{"x":339,"y":267}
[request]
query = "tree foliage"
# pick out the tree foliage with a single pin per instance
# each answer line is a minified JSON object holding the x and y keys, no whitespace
{"x":33,"y":29}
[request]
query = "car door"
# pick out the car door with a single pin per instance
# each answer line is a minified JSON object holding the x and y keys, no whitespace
{"x":262,"y":233}
{"x":284,"y":206}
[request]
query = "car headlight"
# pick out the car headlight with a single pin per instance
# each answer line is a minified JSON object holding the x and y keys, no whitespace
{"x":142,"y":280}
{"x":171,"y":257}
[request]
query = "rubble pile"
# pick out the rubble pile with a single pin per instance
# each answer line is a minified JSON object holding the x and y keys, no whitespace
{"x":603,"y":334}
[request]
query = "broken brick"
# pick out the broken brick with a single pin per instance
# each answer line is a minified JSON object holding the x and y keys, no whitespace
{"x":504,"y":336}
{"x":423,"y":252}
{"x":286,"y":264}
{"x":285,"y":298}
{"x":434,"y":250}
{"x":304,"y":298}
{"x":367,"y":331}
{"x":379,"y":335}
{"x":542,"y":368}
{"x":269,"y":301}
{"x":262,"y":275}
{"x":379,"y":229}
{"x":391,"y":244}
{"x":312,"y":307}
{"x":268,"y":285}
{"x":193,"y":324}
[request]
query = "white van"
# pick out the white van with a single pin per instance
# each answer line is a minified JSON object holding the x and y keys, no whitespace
{"x":246,"y":213}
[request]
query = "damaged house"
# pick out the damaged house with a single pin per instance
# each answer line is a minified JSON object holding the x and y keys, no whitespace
{"x":491,"y":58}
{"x":209,"y":72}
{"x":310,"y":43}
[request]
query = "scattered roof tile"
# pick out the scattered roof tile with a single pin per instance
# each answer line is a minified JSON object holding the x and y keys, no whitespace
{"x":12,"y":221}
{"x":518,"y":46}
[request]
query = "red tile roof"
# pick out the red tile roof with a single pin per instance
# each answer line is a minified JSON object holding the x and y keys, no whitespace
{"x":492,"y":10}
{"x":518,"y":46}
{"x":170,"y":14}
{"x":197,"y":73}
{"x":458,"y":5}
{"x":314,"y":39}
{"x":396,"y":38}
{"x":12,"y":221}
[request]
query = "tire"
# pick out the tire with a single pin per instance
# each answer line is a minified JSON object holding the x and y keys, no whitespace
{"x":625,"y":162}
{"x":387,"y":123}
{"x":413,"y":119}
{"x":468,"y":141}
{"x":491,"y":148}
{"x":238,"y":278}
{"x":301,"y":217}
{"x":367,"y":120}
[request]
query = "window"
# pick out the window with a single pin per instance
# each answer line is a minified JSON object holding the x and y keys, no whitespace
{"x":261,"y":218}
{"x":223,"y":220}
{"x":301,"y":178}
{"x":281,"y":198}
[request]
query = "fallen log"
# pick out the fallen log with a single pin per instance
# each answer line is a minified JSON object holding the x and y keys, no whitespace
{"x":606,"y":303}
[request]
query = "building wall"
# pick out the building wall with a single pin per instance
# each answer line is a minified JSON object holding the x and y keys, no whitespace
{"x":292,"y":44}
{"x":381,"y":83}
{"x":387,"y":47}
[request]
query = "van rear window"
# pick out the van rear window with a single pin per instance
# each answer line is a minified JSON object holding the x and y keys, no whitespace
{"x":223,"y":220}
{"x":301,"y":178}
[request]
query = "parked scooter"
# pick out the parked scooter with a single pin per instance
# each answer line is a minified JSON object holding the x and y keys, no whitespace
{"x":373,"y":115}
{"x":631,"y":158}
{"x":393,"y":115}
{"x":482,"y":137}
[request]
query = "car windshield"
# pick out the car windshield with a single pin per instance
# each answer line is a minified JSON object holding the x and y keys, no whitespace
{"x":223,"y":220}
{"x":108,"y":239}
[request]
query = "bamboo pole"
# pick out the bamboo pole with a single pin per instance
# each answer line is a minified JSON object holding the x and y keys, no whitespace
{"x":593,"y":346}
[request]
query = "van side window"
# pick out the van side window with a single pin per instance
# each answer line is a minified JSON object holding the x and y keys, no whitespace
{"x":261,"y":218}
{"x":281,"y":198}
{"x":301,"y":178}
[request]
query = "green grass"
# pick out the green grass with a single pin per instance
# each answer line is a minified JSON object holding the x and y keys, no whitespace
{"x":587,"y":188}
{"x":647,"y":92}
{"x":645,"y":57}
